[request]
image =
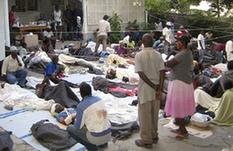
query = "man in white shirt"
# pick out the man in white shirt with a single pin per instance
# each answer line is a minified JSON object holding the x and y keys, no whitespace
{"x":229,"y":50}
{"x":201,"y":46}
{"x":102,"y":34}
{"x":91,"y":127}
{"x":150,"y":67}
{"x":57,"y":14}
{"x":168,"y":36}
{"x":13,"y":68}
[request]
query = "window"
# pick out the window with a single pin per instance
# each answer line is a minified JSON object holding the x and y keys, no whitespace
{"x":20,"y":5}
{"x":26,"y":5}
{"x":57,"y":2}
{"x":32,"y":4}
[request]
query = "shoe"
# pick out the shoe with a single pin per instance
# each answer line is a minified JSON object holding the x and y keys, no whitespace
{"x":139,"y":143}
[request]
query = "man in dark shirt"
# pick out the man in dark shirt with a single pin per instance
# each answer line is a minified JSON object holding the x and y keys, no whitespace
{"x":68,"y":20}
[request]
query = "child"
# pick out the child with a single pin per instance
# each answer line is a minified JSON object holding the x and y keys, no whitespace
{"x":63,"y":115}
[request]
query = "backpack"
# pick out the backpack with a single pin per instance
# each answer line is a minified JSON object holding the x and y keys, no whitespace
{"x":6,"y":143}
{"x":51,"y":136}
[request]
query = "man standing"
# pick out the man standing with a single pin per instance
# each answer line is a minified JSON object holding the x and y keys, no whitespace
{"x":92,"y":127}
{"x":229,"y":50}
{"x":12,"y":20}
{"x":57,"y":14}
{"x":68,"y":20}
{"x":102,"y":34}
{"x":150,"y":67}
{"x":13,"y":68}
{"x":78,"y":22}
{"x":168,"y":36}
{"x":201,"y":46}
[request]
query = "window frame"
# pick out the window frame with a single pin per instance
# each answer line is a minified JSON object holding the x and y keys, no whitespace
{"x":25,"y":6}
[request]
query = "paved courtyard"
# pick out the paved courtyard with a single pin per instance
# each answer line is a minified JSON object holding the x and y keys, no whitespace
{"x":222,"y":138}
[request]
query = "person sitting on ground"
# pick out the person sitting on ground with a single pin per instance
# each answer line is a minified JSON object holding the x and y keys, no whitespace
{"x":224,"y":112}
{"x":13,"y":68}
{"x":92,"y":127}
{"x":159,"y":44}
{"x":63,"y":115}
{"x":222,"y":107}
{"x":23,"y":51}
{"x":48,"y":34}
{"x":121,"y":50}
{"x":216,"y":89}
{"x":53,"y":72}
{"x":47,"y":47}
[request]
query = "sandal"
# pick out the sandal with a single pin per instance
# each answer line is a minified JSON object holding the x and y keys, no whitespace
{"x":139,"y":143}
{"x":182,"y":136}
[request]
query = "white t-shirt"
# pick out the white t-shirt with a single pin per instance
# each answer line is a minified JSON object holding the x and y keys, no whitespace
{"x":11,"y":65}
{"x":57,"y":15}
{"x":169,"y":37}
{"x":200,"y":41}
{"x":104,"y":28}
{"x":151,"y":63}
{"x":229,"y":50}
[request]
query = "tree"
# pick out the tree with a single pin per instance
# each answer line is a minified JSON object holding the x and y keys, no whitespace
{"x":183,"y":6}
{"x":165,"y":6}
{"x":115,"y":22}
{"x":217,"y":6}
{"x":158,"y":6}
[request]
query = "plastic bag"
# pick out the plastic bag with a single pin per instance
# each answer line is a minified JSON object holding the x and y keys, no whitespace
{"x":201,"y":120}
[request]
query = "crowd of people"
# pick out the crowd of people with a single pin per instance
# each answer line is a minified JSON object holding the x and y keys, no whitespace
{"x":91,"y":126}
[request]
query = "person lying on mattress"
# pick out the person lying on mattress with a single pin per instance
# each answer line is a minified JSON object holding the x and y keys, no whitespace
{"x":91,"y":127}
{"x":60,"y":93}
{"x":63,"y":115}
{"x":216,"y":89}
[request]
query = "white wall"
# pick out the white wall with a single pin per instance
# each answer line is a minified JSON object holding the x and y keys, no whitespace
{"x":2,"y":30}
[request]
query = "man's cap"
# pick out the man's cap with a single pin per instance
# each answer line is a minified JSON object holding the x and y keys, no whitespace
{"x":169,"y":23}
{"x":13,"y":49}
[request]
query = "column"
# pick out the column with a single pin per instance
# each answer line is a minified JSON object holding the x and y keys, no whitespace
{"x":85,"y":34}
{"x":7,"y":30}
{"x":2,"y":29}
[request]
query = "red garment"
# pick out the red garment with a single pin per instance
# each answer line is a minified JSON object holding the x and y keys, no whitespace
{"x":181,"y":33}
{"x":11,"y":18}
{"x":125,"y":91}
{"x":219,"y":47}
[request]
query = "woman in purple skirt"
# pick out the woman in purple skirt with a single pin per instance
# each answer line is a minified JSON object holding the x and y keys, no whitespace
{"x":180,"y":97}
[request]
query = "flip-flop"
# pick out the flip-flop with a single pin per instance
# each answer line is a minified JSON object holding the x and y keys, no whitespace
{"x":182,"y":136}
{"x":141,"y":144}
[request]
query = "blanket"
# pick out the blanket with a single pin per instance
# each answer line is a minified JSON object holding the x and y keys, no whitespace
{"x":61,"y":94}
{"x":224,"y":113}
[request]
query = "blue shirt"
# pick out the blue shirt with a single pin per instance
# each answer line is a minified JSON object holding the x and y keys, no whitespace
{"x":50,"y":69}
{"x":64,"y":114}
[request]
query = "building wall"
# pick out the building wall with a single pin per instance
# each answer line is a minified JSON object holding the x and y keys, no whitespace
{"x":127,"y":9}
{"x":44,"y":7}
